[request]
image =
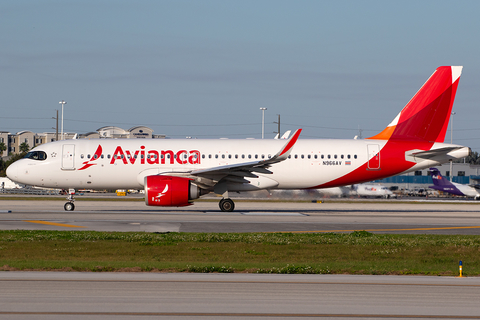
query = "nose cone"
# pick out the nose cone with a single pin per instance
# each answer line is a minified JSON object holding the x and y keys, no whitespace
{"x":12,"y":171}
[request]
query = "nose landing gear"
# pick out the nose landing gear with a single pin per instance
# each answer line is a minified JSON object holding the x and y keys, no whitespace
{"x":69,"y":206}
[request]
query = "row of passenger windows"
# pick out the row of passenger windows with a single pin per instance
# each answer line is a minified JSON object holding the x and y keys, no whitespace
{"x":295,"y":156}
{"x":229,"y":156}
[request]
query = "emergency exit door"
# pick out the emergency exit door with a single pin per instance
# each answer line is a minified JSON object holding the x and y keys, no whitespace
{"x":68,"y":157}
{"x":373,"y":156}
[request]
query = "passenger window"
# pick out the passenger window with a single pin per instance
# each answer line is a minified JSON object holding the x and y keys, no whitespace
{"x":355,"y":156}
{"x":302,"y":156}
{"x":81,"y":156}
{"x":328,"y":156}
{"x":249,"y":156}
{"x":335,"y":156}
{"x":308,"y":156}
{"x":223,"y":156}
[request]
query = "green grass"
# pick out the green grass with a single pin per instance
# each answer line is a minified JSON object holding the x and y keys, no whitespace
{"x":355,"y":253}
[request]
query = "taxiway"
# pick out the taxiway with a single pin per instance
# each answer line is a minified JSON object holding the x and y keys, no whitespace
{"x":267,"y":216}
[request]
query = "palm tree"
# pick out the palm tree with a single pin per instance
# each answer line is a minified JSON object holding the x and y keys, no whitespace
{"x":24,"y":147}
{"x":3,"y":147}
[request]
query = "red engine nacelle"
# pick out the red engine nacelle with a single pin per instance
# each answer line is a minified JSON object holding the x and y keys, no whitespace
{"x":170,"y":191}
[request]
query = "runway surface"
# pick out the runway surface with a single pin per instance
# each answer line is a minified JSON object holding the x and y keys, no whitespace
{"x":379,"y":217}
{"x":71,"y":295}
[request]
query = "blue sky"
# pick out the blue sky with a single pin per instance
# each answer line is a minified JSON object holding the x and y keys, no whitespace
{"x":204,"y":68}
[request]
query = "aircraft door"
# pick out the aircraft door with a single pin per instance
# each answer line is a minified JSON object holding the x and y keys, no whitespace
{"x":373,"y":156}
{"x":68,"y":157}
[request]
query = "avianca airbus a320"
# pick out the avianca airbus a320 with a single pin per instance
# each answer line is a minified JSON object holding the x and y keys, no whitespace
{"x":175,"y":172}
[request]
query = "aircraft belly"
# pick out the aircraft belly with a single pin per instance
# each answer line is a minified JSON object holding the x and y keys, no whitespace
{"x":308,"y":176}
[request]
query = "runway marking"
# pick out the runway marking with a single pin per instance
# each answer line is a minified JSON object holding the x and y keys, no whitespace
{"x":53,"y":224}
{"x":240,"y":314}
{"x":260,"y":213}
{"x":378,"y":230}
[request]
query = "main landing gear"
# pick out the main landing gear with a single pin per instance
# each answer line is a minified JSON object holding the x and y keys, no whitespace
{"x":69,"y":206}
{"x":226,"y":205}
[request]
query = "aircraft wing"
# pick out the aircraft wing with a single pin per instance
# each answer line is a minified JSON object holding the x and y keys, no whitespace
{"x":247,"y":169}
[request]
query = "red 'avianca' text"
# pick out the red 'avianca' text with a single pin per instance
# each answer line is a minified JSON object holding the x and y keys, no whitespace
{"x":155,"y":156}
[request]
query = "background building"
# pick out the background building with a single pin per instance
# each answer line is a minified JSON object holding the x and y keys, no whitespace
{"x":14,"y":141}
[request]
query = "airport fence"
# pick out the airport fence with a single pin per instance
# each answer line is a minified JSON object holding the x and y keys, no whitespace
{"x":30,"y":191}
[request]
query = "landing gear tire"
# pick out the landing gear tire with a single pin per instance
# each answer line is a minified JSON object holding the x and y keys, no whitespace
{"x":69,"y":206}
{"x":226,"y":205}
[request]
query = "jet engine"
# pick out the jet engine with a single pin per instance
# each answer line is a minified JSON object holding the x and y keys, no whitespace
{"x":170,"y":191}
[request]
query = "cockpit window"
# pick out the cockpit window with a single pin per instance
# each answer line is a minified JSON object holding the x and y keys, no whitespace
{"x":36,"y":155}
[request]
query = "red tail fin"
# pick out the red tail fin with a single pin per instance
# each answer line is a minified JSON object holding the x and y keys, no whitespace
{"x":427,"y":114}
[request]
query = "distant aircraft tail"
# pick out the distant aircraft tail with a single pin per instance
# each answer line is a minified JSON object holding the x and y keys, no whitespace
{"x":442,"y":184}
{"x":438,"y":179}
{"x":426,"y":116}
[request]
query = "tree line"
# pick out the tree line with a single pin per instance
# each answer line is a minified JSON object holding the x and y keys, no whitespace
{"x":24,"y":148}
{"x":474,"y":158}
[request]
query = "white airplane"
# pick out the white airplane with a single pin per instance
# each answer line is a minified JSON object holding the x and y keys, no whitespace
{"x":175,"y":172}
{"x":372,"y":190}
{"x":6,"y":183}
{"x":442,"y":184}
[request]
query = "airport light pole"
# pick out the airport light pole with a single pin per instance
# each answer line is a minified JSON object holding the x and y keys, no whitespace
{"x":62,"y":103}
{"x":263,"y":121}
{"x":56,"y":126}
{"x":451,"y":142}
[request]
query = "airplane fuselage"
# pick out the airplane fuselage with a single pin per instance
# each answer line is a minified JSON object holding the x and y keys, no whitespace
{"x":123,"y":163}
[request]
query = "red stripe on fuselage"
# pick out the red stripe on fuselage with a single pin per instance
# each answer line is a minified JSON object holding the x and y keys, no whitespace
{"x":392,"y":162}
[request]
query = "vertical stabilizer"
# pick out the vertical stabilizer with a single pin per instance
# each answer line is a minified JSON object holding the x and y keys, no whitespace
{"x":442,"y":184}
{"x":426,"y":115}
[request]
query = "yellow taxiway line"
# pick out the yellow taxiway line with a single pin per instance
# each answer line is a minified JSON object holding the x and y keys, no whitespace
{"x":54,"y":224}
